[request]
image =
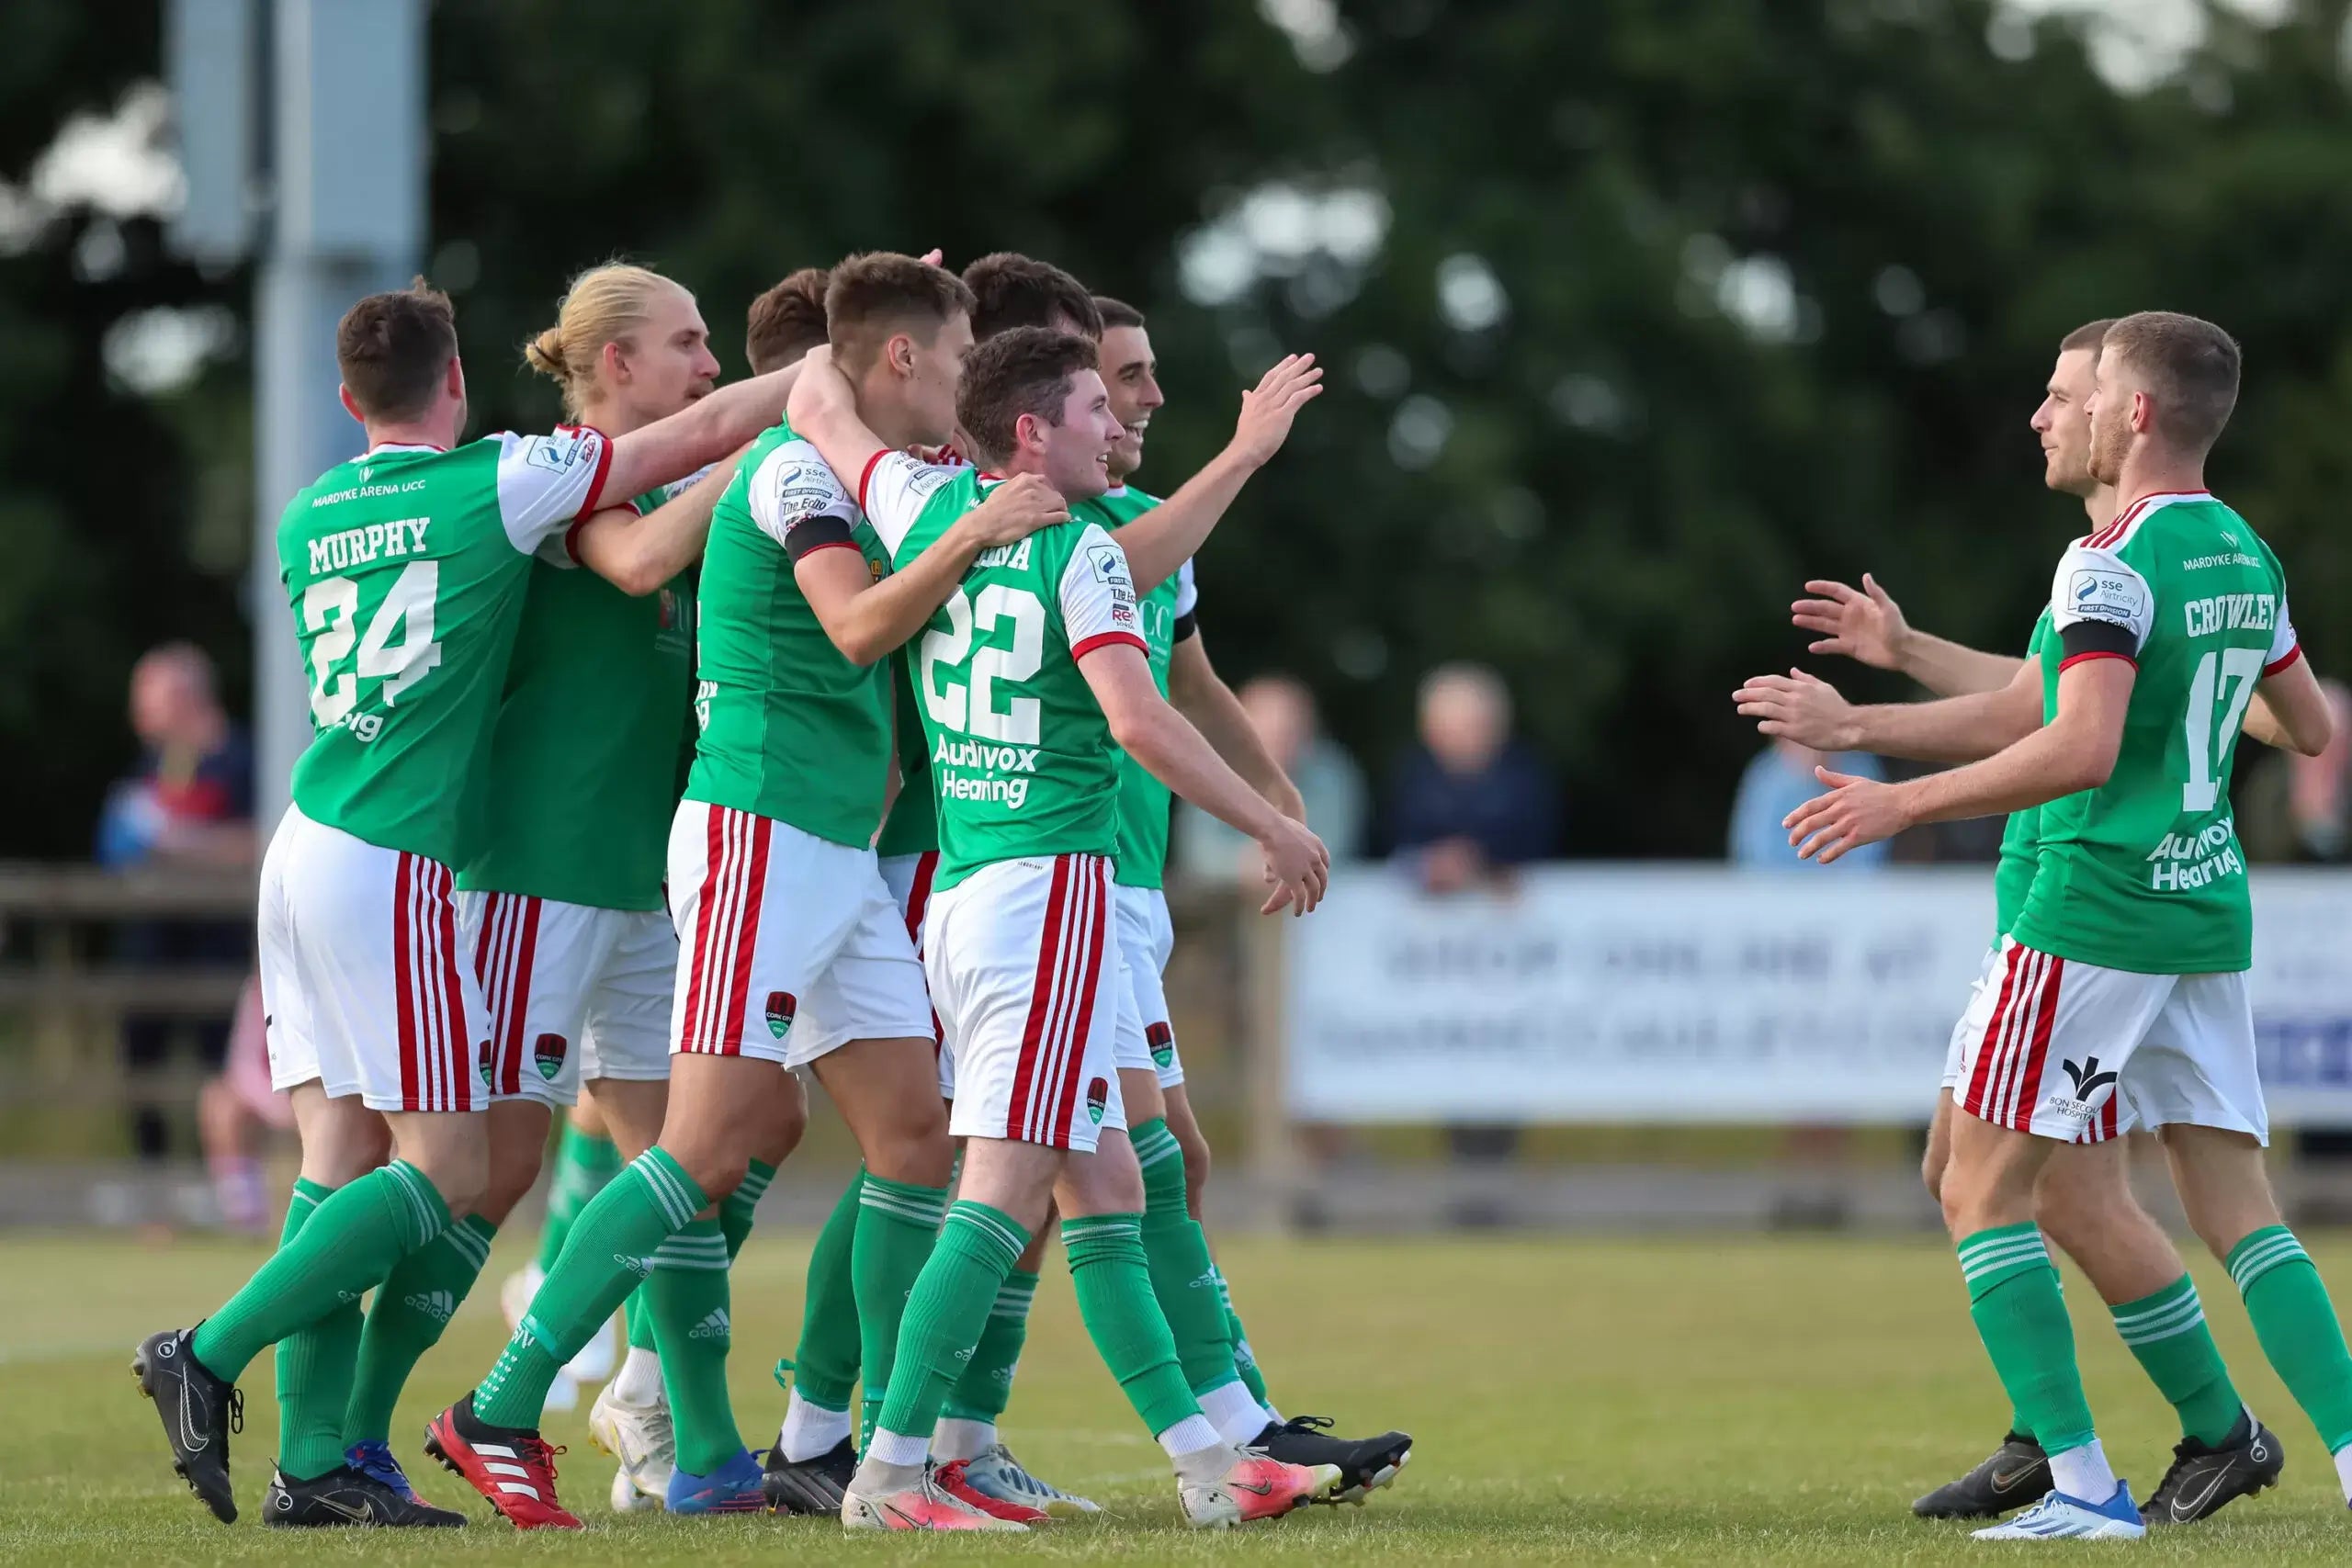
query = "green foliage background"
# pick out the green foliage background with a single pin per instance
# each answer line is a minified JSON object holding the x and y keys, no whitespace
{"x":1633,"y":481}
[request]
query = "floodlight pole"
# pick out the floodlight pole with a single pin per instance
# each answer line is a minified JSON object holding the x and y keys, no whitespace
{"x":347,"y":88}
{"x":329,"y":171}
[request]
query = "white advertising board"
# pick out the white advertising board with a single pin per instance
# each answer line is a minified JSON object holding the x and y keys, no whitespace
{"x":1673,"y":994}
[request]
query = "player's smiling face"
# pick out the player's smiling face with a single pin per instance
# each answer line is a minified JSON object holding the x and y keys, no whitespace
{"x":1075,"y":451}
{"x":2063,"y":422}
{"x":1132,"y":377}
{"x":665,"y":363}
{"x":934,"y":371}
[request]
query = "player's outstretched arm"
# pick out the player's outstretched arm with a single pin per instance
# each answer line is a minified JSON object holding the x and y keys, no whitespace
{"x":2299,"y":716}
{"x":1172,"y":533}
{"x":1156,"y":736}
{"x":1200,"y":693}
{"x":1867,"y":624}
{"x":2075,"y":751}
{"x":868,"y":620}
{"x":638,"y":554}
{"x":703,"y":432}
{"x":1808,"y":710}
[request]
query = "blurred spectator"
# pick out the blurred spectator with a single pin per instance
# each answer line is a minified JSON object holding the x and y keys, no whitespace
{"x":1778,"y":781}
{"x":1283,"y":711}
{"x":1470,"y":802}
{"x":2299,"y":808}
{"x":1469,"y":805}
{"x":191,"y":803}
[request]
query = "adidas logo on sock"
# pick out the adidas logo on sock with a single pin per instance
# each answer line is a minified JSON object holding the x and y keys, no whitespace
{"x":435,"y":1305}
{"x":641,"y":1266}
{"x":715,"y":1327}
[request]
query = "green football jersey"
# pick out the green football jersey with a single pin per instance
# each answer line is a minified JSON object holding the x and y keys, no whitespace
{"x":407,"y":570}
{"x":791,"y":728}
{"x":912,"y":826}
{"x":1144,"y":801}
{"x":598,"y":695}
{"x":1021,"y":757}
{"x":2144,"y":872}
{"x":2021,"y":838}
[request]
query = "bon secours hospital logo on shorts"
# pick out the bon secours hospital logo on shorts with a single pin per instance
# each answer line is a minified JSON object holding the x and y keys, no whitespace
{"x":781,"y":1006}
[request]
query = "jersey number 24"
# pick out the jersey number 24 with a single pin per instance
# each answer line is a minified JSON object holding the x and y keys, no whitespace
{"x":330,"y":615}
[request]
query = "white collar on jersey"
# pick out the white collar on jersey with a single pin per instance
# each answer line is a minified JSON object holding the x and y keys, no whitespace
{"x":383,"y":447}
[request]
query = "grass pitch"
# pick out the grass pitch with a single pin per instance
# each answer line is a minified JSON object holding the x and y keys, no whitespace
{"x":1709,"y":1401}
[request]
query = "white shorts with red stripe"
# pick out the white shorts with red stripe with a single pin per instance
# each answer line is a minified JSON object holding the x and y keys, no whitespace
{"x":789,"y":945}
{"x":365,"y":987}
{"x":2067,"y":1050}
{"x":910,"y":878}
{"x":1024,"y":960}
{"x":1147,"y":1038}
{"x":575,"y":993}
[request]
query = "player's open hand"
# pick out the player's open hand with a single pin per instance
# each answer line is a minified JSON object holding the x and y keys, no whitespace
{"x":1268,"y":409}
{"x":1800,"y":707}
{"x":1016,"y":509}
{"x":1855,"y":812}
{"x":1865,"y":623}
{"x":1298,"y":868}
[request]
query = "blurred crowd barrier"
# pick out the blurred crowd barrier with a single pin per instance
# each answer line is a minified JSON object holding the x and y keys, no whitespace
{"x":1575,"y":1045}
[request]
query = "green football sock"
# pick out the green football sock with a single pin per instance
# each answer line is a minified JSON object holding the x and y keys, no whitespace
{"x":314,"y":1368}
{"x":985,"y":1386}
{"x":897,"y":1225}
{"x":736,"y":1213}
{"x":688,"y":1290}
{"x":824,"y":1364}
{"x":2297,"y":1327}
{"x":1114,"y":1287}
{"x":583,"y":1163}
{"x":622,"y":1228}
{"x":640,"y":1320}
{"x":977,"y":1248}
{"x":2168,"y":1333}
{"x":1245,"y":1359}
{"x":412,"y":1307}
{"x":2013,"y":1296}
{"x":351,"y":1241}
{"x":1176,"y":1250}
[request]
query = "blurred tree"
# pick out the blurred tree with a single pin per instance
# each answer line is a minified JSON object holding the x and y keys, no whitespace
{"x":1638,"y":311}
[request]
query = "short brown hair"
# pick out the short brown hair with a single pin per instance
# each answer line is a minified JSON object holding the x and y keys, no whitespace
{"x":786,"y":321}
{"x":2189,"y":368}
{"x":1026,"y":370}
{"x":1117,"y":313}
{"x":2090,"y":336}
{"x":1014,"y":290}
{"x":393,"y":349}
{"x":870,"y":297}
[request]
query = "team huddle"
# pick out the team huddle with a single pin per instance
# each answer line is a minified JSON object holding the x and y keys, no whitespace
{"x":828,"y":722}
{"x":2114,"y":995}
{"x":817,"y":722}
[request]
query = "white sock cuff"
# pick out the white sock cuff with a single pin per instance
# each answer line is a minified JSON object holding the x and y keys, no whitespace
{"x":898,"y":1447}
{"x":1189,"y":1437}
